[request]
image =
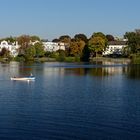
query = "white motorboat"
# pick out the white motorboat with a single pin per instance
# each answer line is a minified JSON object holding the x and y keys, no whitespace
{"x":30,"y":78}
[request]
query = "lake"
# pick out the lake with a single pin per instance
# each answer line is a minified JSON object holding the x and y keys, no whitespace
{"x":70,"y":101}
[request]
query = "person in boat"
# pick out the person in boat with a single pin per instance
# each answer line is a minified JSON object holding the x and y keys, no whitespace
{"x":31,"y":75}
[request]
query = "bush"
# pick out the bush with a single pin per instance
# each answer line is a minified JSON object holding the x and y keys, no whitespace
{"x":135,"y":58}
{"x":19,"y":58}
{"x":72,"y":59}
{"x":77,"y":59}
{"x":61,"y":56}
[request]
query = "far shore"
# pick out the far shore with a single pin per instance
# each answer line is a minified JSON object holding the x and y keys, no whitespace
{"x":115,"y":60}
{"x":95,"y":59}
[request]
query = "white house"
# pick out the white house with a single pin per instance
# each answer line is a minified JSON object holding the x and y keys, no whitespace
{"x":48,"y":46}
{"x":115,"y":47}
{"x":53,"y":46}
{"x":12,"y":47}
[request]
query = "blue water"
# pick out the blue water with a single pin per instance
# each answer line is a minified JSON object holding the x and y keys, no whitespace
{"x":70,"y":102}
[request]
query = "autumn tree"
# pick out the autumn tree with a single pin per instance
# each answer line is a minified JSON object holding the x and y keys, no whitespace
{"x":81,"y":37}
{"x":67,"y":40}
{"x":24,"y":42}
{"x":76,"y":47}
{"x":5,"y":53}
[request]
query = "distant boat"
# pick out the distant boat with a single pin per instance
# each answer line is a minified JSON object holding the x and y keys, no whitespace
{"x":28,"y":78}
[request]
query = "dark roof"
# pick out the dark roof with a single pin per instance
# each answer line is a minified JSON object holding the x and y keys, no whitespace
{"x":117,"y":42}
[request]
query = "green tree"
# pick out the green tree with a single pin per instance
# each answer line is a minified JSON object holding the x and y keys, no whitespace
{"x":133,"y":41}
{"x":96,"y":45}
{"x":10,"y":39}
{"x":35,"y":38}
{"x":85,"y":54}
{"x":56,"y":40}
{"x":30,"y":53}
{"x":39,"y":49}
{"x":100,"y":34}
{"x":61,"y":56}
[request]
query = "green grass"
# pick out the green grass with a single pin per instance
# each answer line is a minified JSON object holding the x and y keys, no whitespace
{"x":72,"y":59}
{"x":136,"y":59}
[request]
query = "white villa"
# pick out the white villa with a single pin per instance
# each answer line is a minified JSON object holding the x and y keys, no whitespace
{"x":53,"y":46}
{"x":115,"y":47}
{"x":48,"y":46}
{"x":12,"y":47}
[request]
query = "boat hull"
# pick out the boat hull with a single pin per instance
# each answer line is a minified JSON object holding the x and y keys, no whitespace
{"x":23,"y":78}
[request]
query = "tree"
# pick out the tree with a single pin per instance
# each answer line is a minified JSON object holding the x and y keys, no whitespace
{"x":97,"y":43}
{"x":39,"y":49}
{"x":67,"y":40}
{"x":55,"y":40}
{"x":5,"y":53}
{"x":85,"y":54}
{"x":30,"y":53}
{"x":81,"y":37}
{"x":133,"y":41}
{"x":100,"y":34}
{"x":76,"y":47}
{"x":35,"y":38}
{"x":61,"y":56}
{"x":110,"y":37}
{"x":10,"y":39}
{"x":24,"y":42}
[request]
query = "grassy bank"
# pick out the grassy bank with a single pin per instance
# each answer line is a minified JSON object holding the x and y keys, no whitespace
{"x":113,"y":60}
{"x":135,"y":58}
{"x":58,"y":59}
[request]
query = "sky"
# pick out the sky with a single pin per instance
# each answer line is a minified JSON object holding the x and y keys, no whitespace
{"x":49,"y":19}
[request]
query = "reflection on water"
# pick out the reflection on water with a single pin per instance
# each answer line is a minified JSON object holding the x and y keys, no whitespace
{"x":98,"y":69}
{"x":133,"y":71}
{"x":81,"y":69}
{"x":70,"y":101}
{"x":102,"y":71}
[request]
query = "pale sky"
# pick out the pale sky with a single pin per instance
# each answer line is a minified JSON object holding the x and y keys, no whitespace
{"x":50,"y":19}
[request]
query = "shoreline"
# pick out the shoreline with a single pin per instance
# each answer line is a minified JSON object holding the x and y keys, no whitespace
{"x":95,"y":59}
{"x":113,"y":60}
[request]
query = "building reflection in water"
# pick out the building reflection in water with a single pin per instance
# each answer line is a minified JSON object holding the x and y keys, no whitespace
{"x":52,"y":69}
{"x":99,"y":69}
